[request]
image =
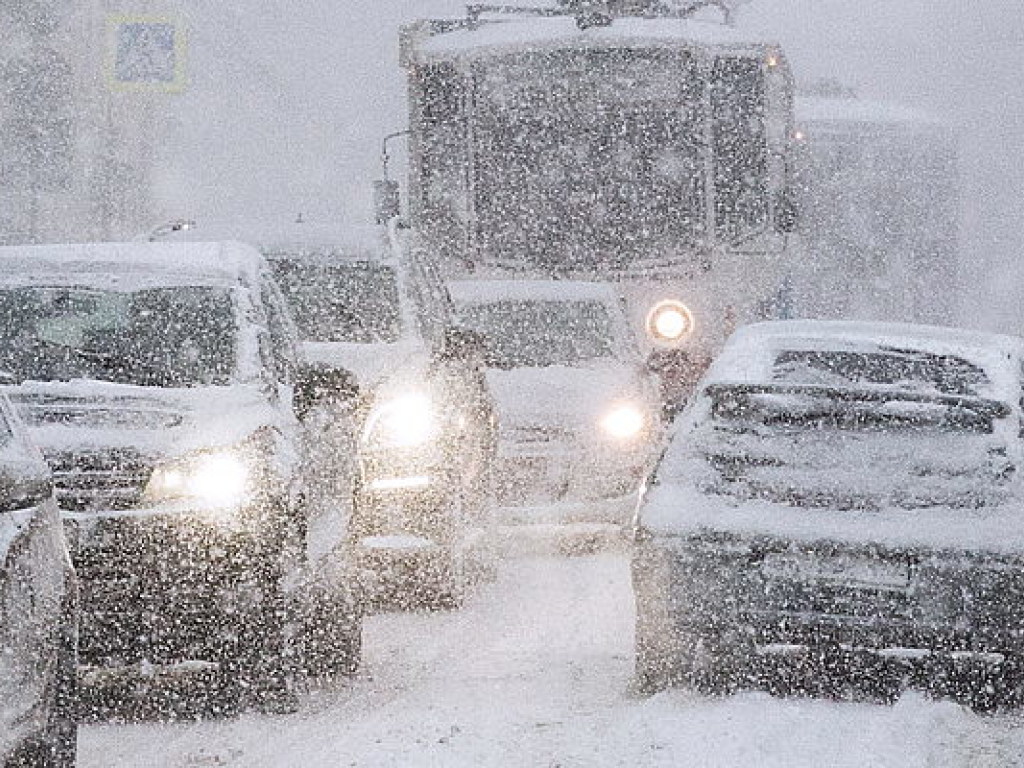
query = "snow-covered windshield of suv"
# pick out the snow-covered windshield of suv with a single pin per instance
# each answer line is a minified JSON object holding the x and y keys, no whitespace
{"x":165,"y":337}
{"x":350,"y":302}
{"x":541,"y":333}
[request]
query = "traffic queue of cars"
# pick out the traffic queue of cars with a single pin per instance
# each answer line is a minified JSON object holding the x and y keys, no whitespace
{"x":249,"y":451}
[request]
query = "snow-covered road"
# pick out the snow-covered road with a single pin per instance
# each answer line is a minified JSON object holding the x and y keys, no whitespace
{"x":535,"y":671}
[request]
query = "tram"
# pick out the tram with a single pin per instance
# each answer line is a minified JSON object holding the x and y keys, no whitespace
{"x":878,"y":189}
{"x":644,"y":143}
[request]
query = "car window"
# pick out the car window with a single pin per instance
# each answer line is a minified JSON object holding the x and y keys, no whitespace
{"x":353,"y":302}
{"x":542,"y":333}
{"x":903,"y":369}
{"x":49,"y":333}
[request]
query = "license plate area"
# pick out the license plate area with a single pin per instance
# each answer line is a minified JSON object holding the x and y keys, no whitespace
{"x":838,"y":570}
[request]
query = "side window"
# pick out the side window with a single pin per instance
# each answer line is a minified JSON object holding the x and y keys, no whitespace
{"x":283,"y":346}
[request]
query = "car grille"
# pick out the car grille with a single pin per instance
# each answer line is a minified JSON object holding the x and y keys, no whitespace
{"x":537,"y":433}
{"x":93,"y":481}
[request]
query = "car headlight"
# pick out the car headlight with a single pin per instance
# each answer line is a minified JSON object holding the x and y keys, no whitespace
{"x":404,"y":421}
{"x":623,"y":422}
{"x":669,"y":321}
{"x":215,"y":479}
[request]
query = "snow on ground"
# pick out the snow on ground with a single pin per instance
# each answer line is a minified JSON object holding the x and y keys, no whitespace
{"x":535,"y":671}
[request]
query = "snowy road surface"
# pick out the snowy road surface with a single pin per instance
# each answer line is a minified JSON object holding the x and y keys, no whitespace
{"x":535,"y":671}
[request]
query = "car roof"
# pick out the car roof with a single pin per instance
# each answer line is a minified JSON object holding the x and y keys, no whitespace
{"x":749,"y":353}
{"x":485,"y":291}
{"x":510,"y":35}
{"x":320,"y":241}
{"x":130,"y":265}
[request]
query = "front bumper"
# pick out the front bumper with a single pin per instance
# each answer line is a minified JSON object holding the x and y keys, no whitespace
{"x":530,"y":475}
{"x":953,"y":607}
{"x":162,"y":589}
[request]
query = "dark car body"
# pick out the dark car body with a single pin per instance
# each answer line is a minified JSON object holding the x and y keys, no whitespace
{"x":421,"y":415}
{"x":846,"y":497}
{"x":157,"y":378}
{"x":38,"y":610}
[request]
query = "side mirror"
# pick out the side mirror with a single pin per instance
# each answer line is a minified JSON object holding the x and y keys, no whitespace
{"x":323,"y":385}
{"x":787,"y":214}
{"x":461,"y":343}
{"x":387,"y":200}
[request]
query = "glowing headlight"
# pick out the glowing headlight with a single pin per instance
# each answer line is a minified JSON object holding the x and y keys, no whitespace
{"x":216,"y":479}
{"x":623,"y":422}
{"x":669,"y":321}
{"x":405,"y":421}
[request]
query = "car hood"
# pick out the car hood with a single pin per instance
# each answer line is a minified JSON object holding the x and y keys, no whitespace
{"x":564,"y":397}
{"x":369,"y":363}
{"x":95,"y":415}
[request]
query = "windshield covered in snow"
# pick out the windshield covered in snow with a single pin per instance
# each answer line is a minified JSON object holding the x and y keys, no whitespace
{"x":905,"y":370}
{"x":542,"y":333}
{"x":348,"y":302}
{"x":588,"y":156}
{"x":851,"y":429}
{"x":167,"y":337}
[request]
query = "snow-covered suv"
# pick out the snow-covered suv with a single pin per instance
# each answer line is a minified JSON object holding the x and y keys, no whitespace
{"x":38,"y":610}
{"x":157,"y":378}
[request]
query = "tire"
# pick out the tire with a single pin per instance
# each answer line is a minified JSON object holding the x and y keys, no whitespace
{"x":62,"y":731}
{"x":329,"y":638}
{"x":697,"y":659}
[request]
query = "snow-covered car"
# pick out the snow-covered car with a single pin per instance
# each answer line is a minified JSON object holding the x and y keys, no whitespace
{"x":378,"y":323}
{"x":157,"y":379}
{"x":38,"y":610}
{"x":842,"y":498}
{"x":579,"y":415}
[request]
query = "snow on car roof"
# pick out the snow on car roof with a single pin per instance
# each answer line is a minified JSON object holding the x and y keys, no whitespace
{"x":506,"y":36}
{"x":749,"y":354}
{"x":487,"y":291}
{"x":130,"y":265}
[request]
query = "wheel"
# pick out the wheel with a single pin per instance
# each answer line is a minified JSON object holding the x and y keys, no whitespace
{"x":700,"y":659}
{"x":62,"y":736}
{"x":329,"y":636}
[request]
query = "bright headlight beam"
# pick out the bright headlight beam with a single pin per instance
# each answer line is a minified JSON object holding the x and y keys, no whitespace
{"x":623,"y":422}
{"x":669,"y":321}
{"x":209,"y":480}
{"x":219,"y":479}
{"x":405,"y":421}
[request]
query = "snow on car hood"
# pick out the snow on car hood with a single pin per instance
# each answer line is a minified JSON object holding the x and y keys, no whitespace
{"x":369,"y":363}
{"x":564,"y":397}
{"x":87,"y":414}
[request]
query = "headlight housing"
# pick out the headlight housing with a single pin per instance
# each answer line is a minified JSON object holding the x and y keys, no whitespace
{"x":624,"y":421}
{"x":216,"y":479}
{"x":405,"y":420}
